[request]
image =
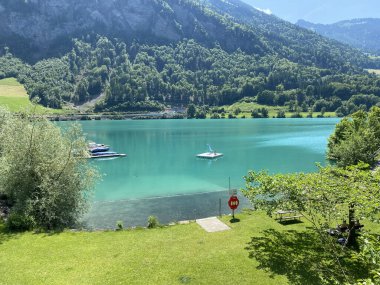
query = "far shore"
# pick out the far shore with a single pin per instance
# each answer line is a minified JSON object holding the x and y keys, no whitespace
{"x":155,"y":116}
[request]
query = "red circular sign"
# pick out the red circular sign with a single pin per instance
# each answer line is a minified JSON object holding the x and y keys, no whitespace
{"x":233,"y":202}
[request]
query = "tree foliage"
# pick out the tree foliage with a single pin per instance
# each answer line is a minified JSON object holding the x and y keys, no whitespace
{"x":135,"y":77}
{"x":356,"y":138}
{"x":43,"y":172}
{"x":324,"y":199}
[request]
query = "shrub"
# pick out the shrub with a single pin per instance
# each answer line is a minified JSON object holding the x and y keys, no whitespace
{"x":19,"y":222}
{"x":152,"y":222}
{"x":119,"y":225}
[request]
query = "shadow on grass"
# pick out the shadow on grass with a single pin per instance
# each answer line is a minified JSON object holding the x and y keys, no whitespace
{"x":301,"y":257}
{"x":5,"y":235}
{"x":290,"y":222}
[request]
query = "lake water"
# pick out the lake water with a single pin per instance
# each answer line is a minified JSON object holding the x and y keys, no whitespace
{"x":161,"y":162}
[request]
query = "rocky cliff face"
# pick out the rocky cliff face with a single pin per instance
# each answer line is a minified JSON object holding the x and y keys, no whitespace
{"x":43,"y":24}
{"x":44,"y":27}
{"x":35,"y":29}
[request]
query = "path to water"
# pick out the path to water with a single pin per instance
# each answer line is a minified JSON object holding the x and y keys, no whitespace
{"x":161,"y":162}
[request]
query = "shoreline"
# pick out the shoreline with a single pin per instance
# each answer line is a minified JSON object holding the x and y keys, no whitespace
{"x":151,"y":116}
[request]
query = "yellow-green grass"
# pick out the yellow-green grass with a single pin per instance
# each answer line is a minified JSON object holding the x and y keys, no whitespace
{"x":14,"y":97}
{"x":247,"y":107}
{"x":170,"y":255}
{"x":376,"y":71}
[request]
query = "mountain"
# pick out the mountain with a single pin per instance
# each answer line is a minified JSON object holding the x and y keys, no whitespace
{"x":133,"y":55}
{"x":36,"y":29}
{"x":360,"y":33}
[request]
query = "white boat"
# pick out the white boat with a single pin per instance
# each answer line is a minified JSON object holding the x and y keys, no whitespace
{"x":106,"y":154}
{"x":211,"y":154}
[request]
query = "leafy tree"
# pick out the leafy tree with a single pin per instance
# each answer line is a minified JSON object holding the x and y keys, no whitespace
{"x":281,"y":114}
{"x":237,"y":111}
{"x":42,"y":171}
{"x":264,"y":112}
{"x":191,"y":111}
{"x":324,"y":199}
{"x":356,"y":139}
{"x":200,"y":115}
{"x":256,"y":113}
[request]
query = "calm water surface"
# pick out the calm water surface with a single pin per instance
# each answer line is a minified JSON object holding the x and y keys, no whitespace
{"x":161,"y":153}
{"x":161,"y":175}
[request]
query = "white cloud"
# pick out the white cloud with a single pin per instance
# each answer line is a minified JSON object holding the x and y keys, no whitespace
{"x":266,"y":11}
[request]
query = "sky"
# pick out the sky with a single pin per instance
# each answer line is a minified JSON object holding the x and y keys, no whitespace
{"x":319,"y":11}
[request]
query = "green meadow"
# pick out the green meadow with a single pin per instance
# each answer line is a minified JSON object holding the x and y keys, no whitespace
{"x":247,"y":107}
{"x":14,"y":97}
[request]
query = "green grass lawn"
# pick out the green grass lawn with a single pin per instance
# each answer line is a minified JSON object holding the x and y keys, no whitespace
{"x":14,"y":97}
{"x":258,"y":250}
{"x":171,"y":255}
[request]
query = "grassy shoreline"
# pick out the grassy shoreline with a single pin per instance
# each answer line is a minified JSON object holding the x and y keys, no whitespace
{"x":179,"y":254}
{"x":168,"y":255}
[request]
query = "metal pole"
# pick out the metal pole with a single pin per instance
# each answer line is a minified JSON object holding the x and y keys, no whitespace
{"x":220,"y":207}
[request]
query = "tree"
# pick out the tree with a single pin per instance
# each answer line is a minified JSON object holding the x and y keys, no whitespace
{"x":324,"y":199}
{"x":256,"y":113}
{"x":43,"y":172}
{"x":356,"y":139}
{"x":191,"y":111}
{"x":281,"y":114}
{"x":264,"y":112}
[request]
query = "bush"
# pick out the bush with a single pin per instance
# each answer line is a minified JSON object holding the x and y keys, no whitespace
{"x":119,"y":225}
{"x":18,"y":222}
{"x":153,"y":222}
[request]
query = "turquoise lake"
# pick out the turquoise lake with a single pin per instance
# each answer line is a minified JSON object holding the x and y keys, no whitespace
{"x":161,"y":153}
{"x":161,"y":175}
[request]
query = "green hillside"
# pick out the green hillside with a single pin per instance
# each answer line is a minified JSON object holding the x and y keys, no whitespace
{"x":13,"y":96}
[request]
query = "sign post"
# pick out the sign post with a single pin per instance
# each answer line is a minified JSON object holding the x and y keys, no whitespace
{"x":233,"y":203}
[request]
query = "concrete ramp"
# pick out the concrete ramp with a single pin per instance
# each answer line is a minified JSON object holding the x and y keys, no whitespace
{"x":212,"y":225}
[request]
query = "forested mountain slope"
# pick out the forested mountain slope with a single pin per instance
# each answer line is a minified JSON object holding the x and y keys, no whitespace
{"x":36,"y":29}
{"x":360,"y":33}
{"x":144,"y":54}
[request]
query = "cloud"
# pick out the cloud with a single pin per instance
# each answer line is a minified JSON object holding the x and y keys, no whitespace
{"x":266,"y":11}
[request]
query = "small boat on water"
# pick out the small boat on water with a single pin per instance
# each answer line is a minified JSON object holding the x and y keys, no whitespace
{"x":211,"y":154}
{"x":106,"y":154}
{"x":102,"y":151}
{"x":99,"y":149}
